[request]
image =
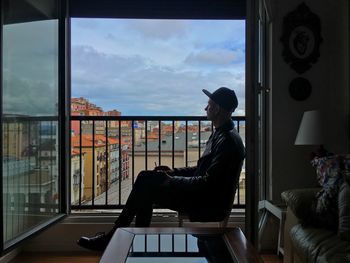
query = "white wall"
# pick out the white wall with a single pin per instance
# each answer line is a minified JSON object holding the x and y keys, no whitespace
{"x":289,"y":164}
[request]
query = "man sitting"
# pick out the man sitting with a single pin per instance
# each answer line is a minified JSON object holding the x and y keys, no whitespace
{"x":202,"y":192}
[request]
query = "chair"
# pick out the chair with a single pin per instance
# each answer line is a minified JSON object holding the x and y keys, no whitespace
{"x":221,"y":224}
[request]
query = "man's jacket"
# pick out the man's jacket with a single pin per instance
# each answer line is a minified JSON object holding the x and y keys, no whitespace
{"x":209,"y":187}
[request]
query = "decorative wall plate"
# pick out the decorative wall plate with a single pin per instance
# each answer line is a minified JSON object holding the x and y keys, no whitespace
{"x":300,"y":89}
{"x":301,"y":38}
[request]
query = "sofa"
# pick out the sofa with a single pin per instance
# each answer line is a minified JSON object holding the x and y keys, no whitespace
{"x":317,"y":225}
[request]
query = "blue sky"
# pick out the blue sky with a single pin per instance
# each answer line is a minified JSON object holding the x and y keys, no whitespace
{"x":156,"y":67}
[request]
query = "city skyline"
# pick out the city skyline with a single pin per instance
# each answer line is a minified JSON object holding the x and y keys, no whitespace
{"x":156,"y":67}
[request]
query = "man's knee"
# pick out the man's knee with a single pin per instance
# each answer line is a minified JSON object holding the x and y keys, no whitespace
{"x":143,"y":175}
{"x":149,"y":177}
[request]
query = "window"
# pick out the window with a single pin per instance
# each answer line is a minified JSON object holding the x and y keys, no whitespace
{"x":28,"y":122}
{"x":149,"y":67}
{"x":31,"y":175}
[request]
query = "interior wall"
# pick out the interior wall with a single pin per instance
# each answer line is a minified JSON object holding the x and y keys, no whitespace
{"x":289,"y":164}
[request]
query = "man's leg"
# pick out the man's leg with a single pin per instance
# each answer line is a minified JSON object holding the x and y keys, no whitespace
{"x":141,"y":199}
{"x":139,"y":204}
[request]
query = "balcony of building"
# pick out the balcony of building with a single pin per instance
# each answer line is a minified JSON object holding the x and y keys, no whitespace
{"x":108,"y":152}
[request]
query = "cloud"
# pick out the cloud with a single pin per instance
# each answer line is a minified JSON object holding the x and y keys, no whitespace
{"x":159,"y":29}
{"x":87,"y":24}
{"x":157,"y":67}
{"x":215,"y":57}
{"x":136,"y":87}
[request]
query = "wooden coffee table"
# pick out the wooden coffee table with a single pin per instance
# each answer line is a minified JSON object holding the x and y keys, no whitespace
{"x":185,"y":244}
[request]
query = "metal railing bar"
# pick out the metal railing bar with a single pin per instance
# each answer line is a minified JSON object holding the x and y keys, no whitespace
{"x":120,"y":163}
{"x":40,"y":152}
{"x":146,"y":144}
{"x":186,"y":143}
{"x":159,"y":143}
{"x":133,"y":151}
{"x":18,"y":184}
{"x":146,"y":118}
{"x":238,"y":189}
{"x":11,"y":118}
{"x":51,"y":159}
{"x":93,"y":162}
{"x":30,"y":149}
{"x":113,"y":118}
{"x":173,"y":145}
{"x":199,"y":139}
{"x":106,"y":160}
{"x":7,"y":178}
{"x":80,"y":161}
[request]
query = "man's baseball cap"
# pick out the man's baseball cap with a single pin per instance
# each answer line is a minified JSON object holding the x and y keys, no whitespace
{"x":224,"y":97}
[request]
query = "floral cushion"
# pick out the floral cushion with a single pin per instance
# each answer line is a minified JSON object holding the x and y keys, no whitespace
{"x":330,"y":175}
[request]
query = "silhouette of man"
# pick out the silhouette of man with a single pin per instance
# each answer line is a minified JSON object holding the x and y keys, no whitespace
{"x":203,"y":192}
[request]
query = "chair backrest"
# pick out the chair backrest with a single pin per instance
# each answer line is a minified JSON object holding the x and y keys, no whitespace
{"x":223,"y":223}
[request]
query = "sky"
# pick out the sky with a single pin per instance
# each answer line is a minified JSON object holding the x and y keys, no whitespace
{"x":139,"y":67}
{"x":156,"y":67}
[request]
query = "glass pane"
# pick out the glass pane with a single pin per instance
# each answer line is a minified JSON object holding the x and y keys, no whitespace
{"x":30,"y":115}
{"x":178,"y":248}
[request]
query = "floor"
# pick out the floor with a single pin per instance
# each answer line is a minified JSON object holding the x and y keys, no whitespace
{"x":90,"y":258}
{"x":56,"y":258}
{"x":272,"y":259}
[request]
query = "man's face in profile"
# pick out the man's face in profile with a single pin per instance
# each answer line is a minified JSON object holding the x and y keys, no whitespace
{"x":211,"y":110}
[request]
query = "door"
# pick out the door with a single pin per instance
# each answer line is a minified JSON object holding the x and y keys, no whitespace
{"x":262,"y":117}
{"x":263,"y":99}
{"x":31,"y":118}
{"x":257,"y":100}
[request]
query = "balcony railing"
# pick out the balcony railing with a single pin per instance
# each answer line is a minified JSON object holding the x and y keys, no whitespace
{"x":109,"y":152}
{"x":107,"y":155}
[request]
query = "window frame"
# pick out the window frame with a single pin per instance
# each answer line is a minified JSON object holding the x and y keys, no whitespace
{"x":63,"y":115}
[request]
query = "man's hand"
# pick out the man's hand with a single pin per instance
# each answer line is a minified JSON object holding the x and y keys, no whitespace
{"x":162,"y":168}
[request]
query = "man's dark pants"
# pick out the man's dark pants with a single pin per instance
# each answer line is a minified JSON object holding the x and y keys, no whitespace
{"x":151,"y":187}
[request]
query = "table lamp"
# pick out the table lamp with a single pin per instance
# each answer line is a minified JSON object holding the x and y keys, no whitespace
{"x":311,"y":132}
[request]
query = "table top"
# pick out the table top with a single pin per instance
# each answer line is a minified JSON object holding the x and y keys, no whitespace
{"x":181,"y":244}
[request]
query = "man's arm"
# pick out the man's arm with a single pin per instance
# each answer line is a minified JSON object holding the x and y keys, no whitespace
{"x":184,"y":171}
{"x":180,"y":172}
{"x":226,"y":161}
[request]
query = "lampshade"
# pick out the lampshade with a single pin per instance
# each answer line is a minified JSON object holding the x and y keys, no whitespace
{"x":311,"y":129}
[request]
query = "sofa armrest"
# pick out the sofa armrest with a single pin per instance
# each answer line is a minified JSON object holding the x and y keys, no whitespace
{"x":301,"y":202}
